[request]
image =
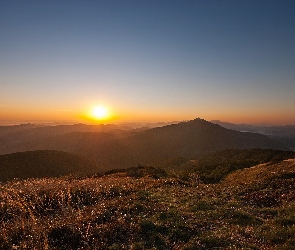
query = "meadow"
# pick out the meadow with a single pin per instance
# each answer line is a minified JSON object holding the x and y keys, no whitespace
{"x":146,"y":208}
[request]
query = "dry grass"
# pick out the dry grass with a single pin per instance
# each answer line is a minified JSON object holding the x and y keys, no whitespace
{"x":122,"y":212}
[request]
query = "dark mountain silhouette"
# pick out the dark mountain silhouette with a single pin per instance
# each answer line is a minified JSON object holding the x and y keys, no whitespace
{"x":196,"y":137}
{"x":287,"y":130}
{"x":285,"y":134}
{"x":27,"y":137}
{"x":114,"y":148}
{"x":38,"y":164}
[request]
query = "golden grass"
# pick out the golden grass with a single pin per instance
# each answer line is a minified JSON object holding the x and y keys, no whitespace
{"x":122,"y":212}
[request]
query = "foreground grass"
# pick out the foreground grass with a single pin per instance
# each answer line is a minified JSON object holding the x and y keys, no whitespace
{"x":122,"y":212}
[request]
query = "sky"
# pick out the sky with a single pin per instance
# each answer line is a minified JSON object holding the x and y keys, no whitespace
{"x":148,"y":60}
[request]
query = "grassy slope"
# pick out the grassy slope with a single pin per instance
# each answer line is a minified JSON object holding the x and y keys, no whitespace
{"x":250,"y":209}
{"x":214,"y":167}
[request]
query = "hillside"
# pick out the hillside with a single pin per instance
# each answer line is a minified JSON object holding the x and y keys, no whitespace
{"x":263,"y":174}
{"x":116,"y":148}
{"x":252,"y":208}
{"x":30,"y":137}
{"x":39,"y":164}
{"x":194,"y":138}
{"x":285,"y":134}
{"x":214,"y":167}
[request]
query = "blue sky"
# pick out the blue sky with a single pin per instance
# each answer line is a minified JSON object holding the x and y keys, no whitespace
{"x":148,"y":60}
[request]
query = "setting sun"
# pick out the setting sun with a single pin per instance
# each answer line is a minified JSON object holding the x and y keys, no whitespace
{"x":100,"y":113}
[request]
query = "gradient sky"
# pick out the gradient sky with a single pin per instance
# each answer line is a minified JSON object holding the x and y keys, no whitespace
{"x":148,"y":60}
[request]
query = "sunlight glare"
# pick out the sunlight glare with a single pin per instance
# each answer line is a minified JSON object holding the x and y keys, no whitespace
{"x":100,"y":113}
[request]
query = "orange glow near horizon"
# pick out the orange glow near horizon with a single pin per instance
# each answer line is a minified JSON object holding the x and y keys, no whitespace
{"x":104,"y":113}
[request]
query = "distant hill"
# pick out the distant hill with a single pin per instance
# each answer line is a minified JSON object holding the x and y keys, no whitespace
{"x":116,"y":148}
{"x":186,"y":139}
{"x":286,"y":134}
{"x":198,"y":137}
{"x":38,"y":164}
{"x":287,"y":130}
{"x":31,"y":137}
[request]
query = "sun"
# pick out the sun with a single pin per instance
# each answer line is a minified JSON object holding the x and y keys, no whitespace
{"x":100,"y":113}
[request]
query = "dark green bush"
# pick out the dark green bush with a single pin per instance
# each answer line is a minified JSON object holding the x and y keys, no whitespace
{"x":4,"y":244}
{"x":214,"y":242}
{"x":202,"y":205}
{"x":64,"y":238}
{"x":152,"y":234}
{"x":242,"y":218}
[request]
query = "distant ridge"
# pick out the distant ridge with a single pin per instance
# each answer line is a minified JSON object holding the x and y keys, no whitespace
{"x":285,"y":134}
{"x":197,"y":137}
{"x":116,"y":148}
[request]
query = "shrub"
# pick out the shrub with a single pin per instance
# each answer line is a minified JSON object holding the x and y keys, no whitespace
{"x":214,"y":242}
{"x":151,"y":234}
{"x":4,"y":244}
{"x":242,"y":218}
{"x":202,"y":205}
{"x":64,"y":238}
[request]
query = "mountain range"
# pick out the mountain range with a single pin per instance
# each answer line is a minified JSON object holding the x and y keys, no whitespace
{"x":285,"y":134}
{"x":111,"y":146}
{"x":190,"y":185}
